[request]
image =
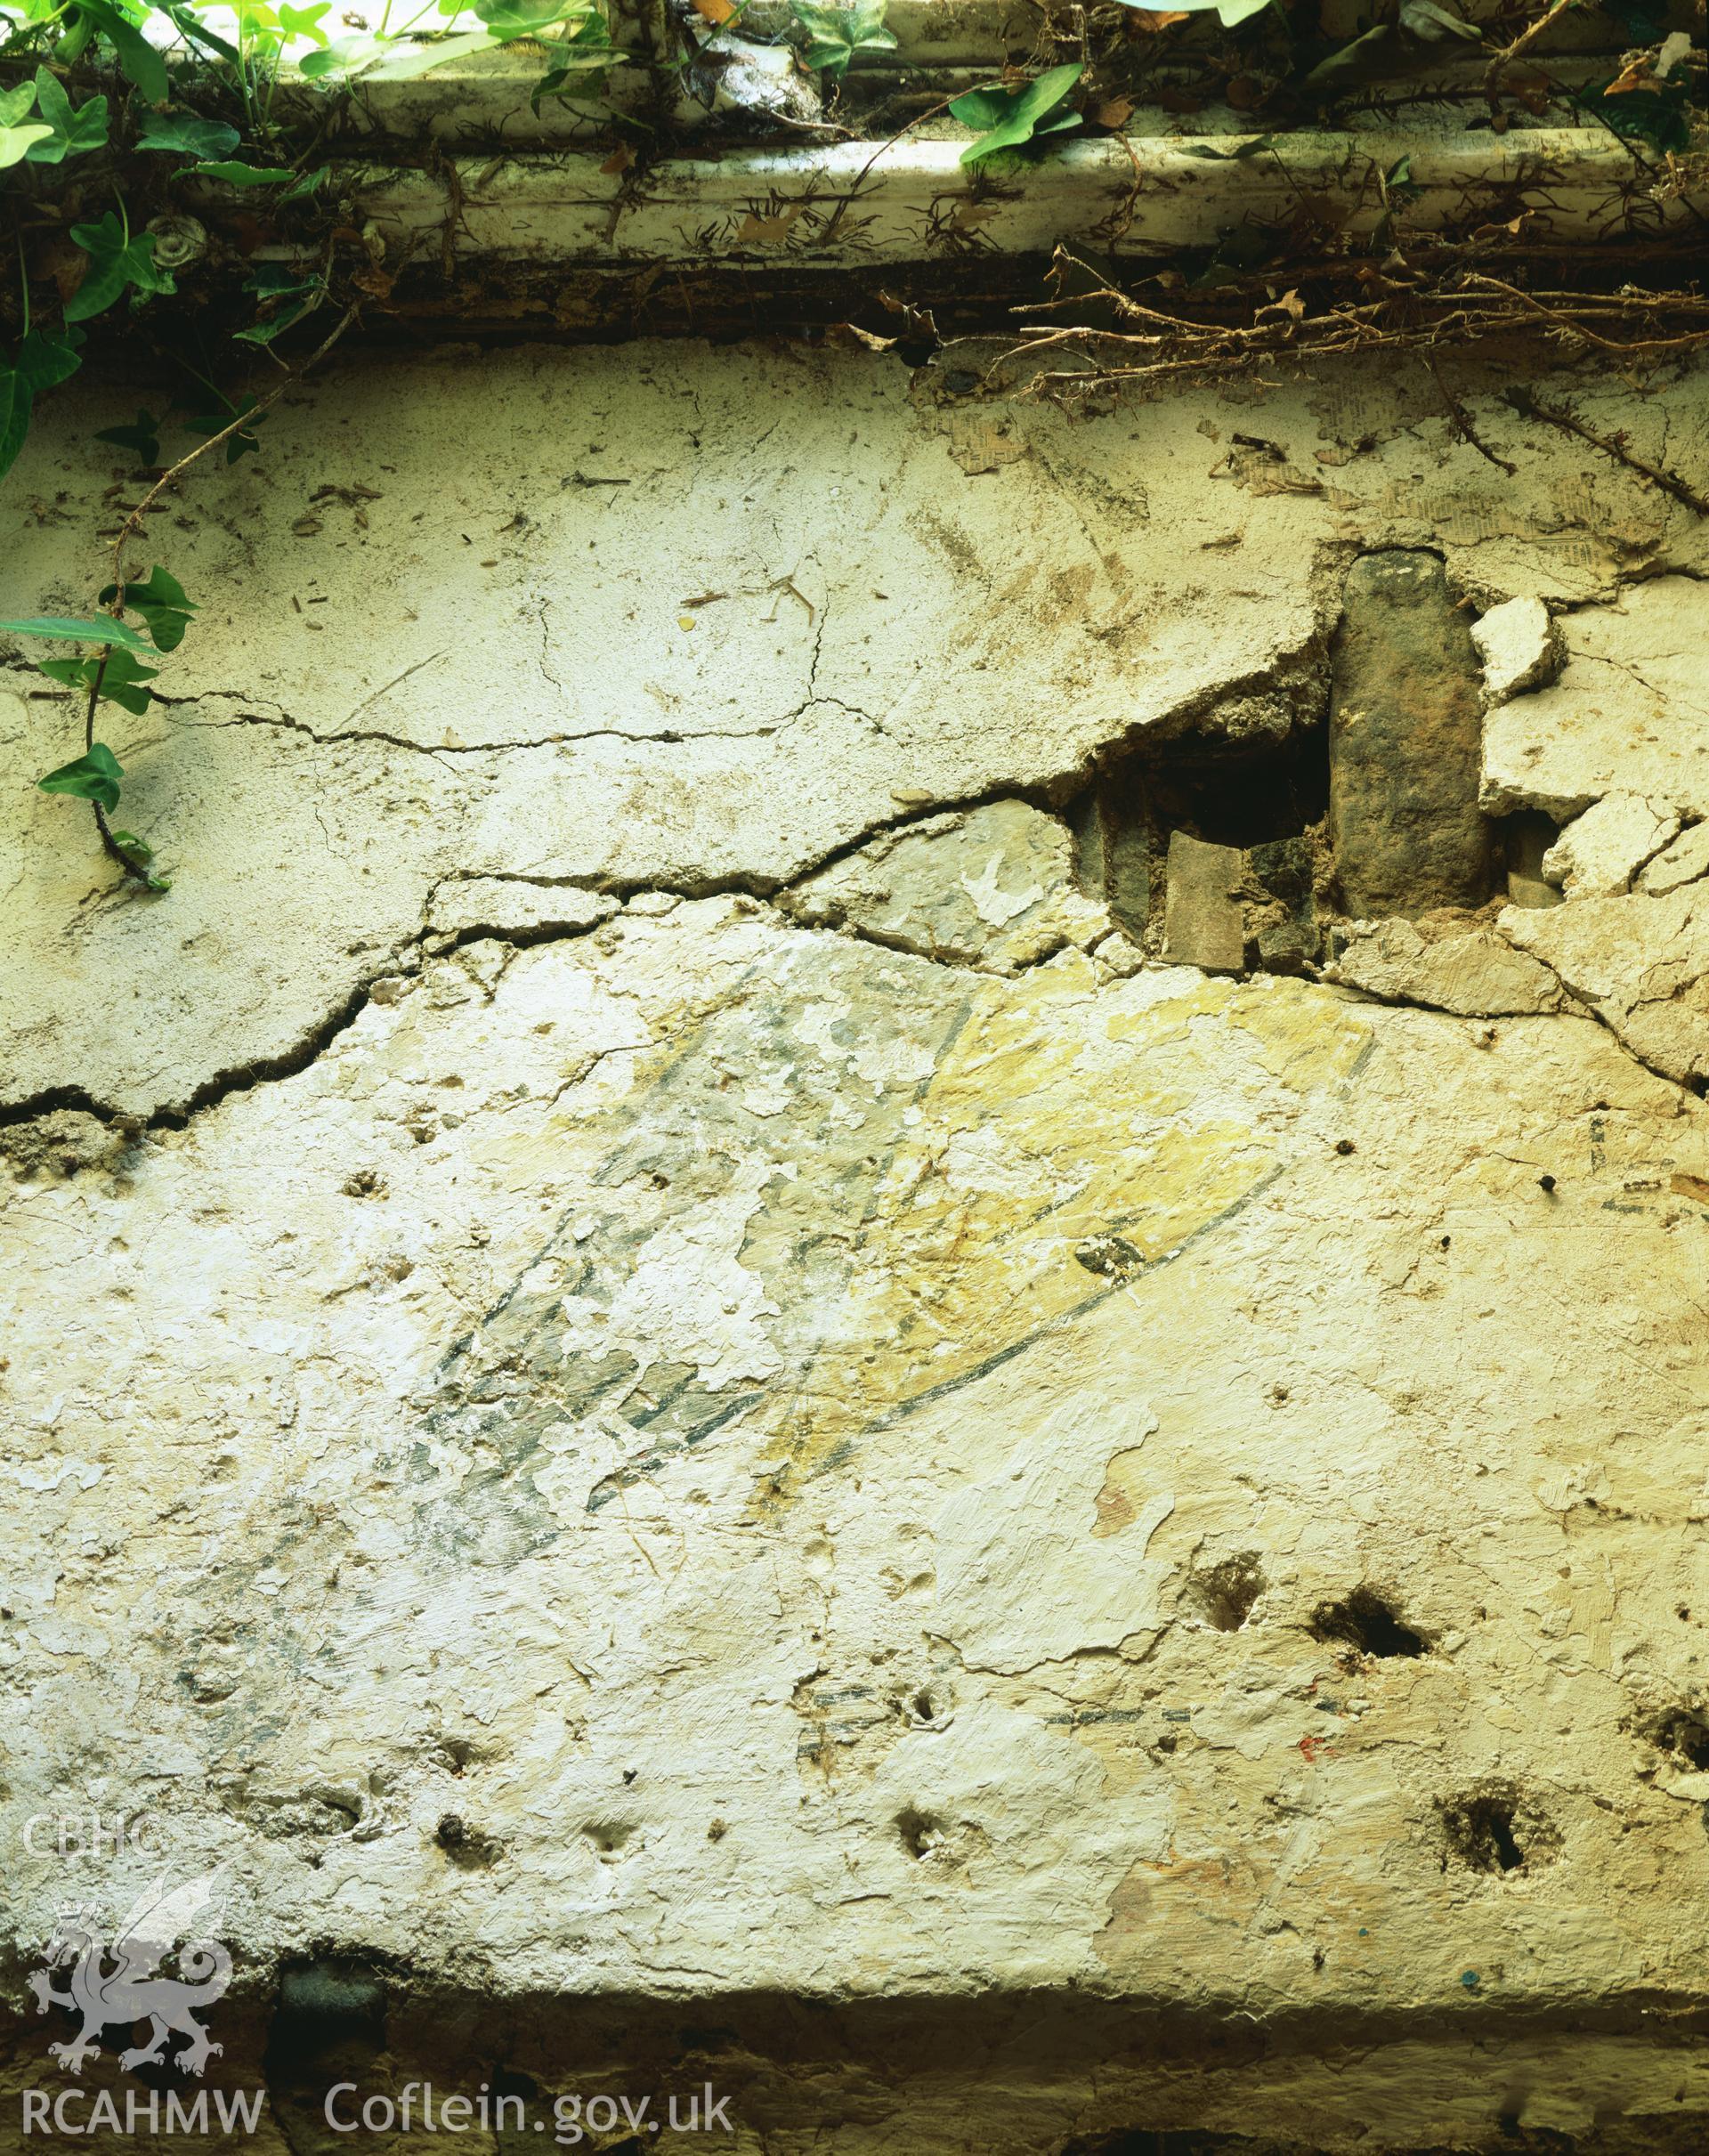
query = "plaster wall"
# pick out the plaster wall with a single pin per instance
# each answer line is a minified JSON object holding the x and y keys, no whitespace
{"x":657,"y":1350}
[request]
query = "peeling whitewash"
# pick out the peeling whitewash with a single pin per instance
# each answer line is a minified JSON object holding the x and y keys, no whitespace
{"x":647,"y":1258}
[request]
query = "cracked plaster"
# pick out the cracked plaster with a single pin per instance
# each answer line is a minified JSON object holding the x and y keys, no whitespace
{"x":602,"y":1270}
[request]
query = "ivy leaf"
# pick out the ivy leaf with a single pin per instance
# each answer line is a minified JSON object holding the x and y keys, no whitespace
{"x":141,"y":63}
{"x":305,"y":21}
{"x":520,"y":18}
{"x":240,"y":175}
{"x":1425,"y":18}
{"x":142,"y":439}
{"x":273,"y":281}
{"x":1656,"y":117}
{"x":243,"y":443}
{"x":161,"y":601}
{"x":305,"y":184}
{"x":1010,"y":117}
{"x":72,"y":628}
{"x":70,"y":132}
{"x":184,"y":20}
{"x":348,"y":55}
{"x":1250,"y":145}
{"x":141,"y":855}
{"x":122,"y":679}
{"x":93,"y":778}
{"x":426,"y":57}
{"x":16,"y":143}
{"x":187,"y":136}
{"x":44,"y":359}
{"x":115,"y":261}
{"x":835,"y":33}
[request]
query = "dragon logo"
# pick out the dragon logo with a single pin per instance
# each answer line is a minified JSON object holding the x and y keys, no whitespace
{"x":132,"y":1990}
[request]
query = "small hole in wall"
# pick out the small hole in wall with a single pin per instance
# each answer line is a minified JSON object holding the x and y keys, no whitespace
{"x":1224,"y":1593}
{"x":467,"y":1846}
{"x":1244,"y":795}
{"x":1366,"y":1622}
{"x":1681,"y":1735}
{"x":1263,"y":796}
{"x":1524,"y":840}
{"x":1490,"y":1828}
{"x":920,"y":1832}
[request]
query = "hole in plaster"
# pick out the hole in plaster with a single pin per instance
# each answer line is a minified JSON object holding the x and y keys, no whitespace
{"x":1677,"y":1731}
{"x":1224,"y":1593}
{"x":920,"y":1832}
{"x":1262,"y":797}
{"x":458,"y":1753}
{"x":1113,"y":1257}
{"x":1366,"y":1622}
{"x":1492,"y":1828}
{"x":1524,"y":840}
{"x":610,"y":1838}
{"x":1243,"y":794}
{"x":468,"y":1847}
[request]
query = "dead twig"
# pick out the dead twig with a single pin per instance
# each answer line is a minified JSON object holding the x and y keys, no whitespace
{"x":1611,"y":445}
{"x":1462,"y":426}
{"x":1523,"y":42}
{"x":132,"y":523}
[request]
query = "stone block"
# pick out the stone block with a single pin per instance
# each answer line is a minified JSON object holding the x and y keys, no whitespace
{"x":1405,"y":742}
{"x":1205,"y":920}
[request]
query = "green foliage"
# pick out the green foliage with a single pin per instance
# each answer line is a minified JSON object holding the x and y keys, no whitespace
{"x":75,"y":628}
{"x":1659,"y":119}
{"x":236,"y":174}
{"x":206,"y":115}
{"x":17,"y":138}
{"x":74,"y":130}
{"x":244,"y":442}
{"x":93,"y":777}
{"x":142,"y":439}
{"x":583,"y":51}
{"x":43,"y":360}
{"x":141,"y":63}
{"x":163,"y":604}
{"x":1009,"y":119}
{"x":1247,"y":146}
{"x":835,"y":33}
{"x":274,"y":284}
{"x":120,"y":677}
{"x":184,"y":133}
{"x":116,"y":261}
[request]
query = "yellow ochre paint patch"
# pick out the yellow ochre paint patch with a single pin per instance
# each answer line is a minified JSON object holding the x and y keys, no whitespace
{"x":1050,"y":1123}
